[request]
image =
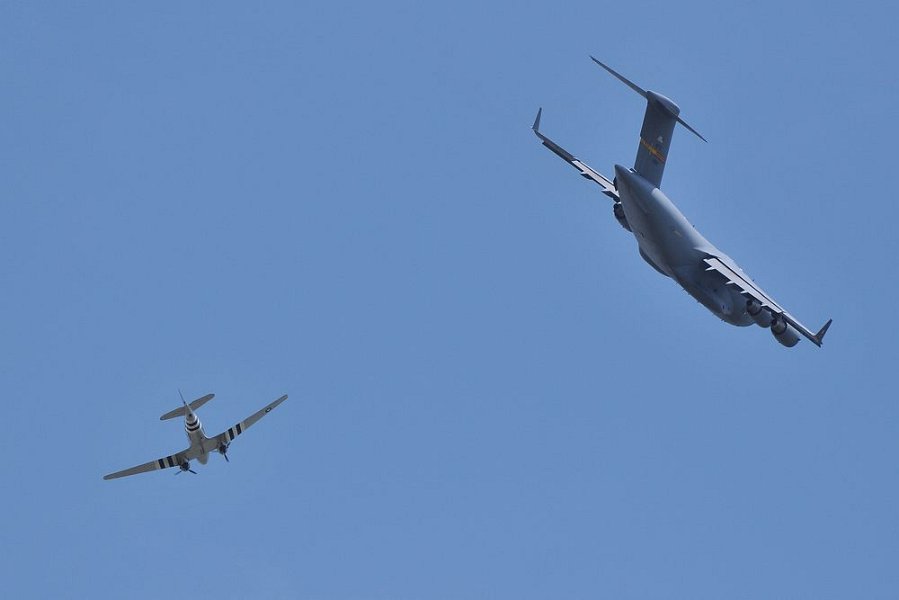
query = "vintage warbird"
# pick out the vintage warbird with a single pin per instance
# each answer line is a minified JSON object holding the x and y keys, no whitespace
{"x":200,"y":445}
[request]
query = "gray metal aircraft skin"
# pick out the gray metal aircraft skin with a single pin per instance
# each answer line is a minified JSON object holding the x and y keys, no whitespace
{"x":668,"y":242}
{"x":200,"y":446}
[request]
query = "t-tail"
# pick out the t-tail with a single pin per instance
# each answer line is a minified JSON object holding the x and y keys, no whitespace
{"x":187,"y":408}
{"x":658,"y":127}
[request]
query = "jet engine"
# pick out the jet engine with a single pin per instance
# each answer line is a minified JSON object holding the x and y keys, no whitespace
{"x":761,"y":317}
{"x":619,"y":215}
{"x":784,"y":332}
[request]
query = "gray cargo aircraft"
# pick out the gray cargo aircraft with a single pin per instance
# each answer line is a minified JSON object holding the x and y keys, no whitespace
{"x":200,"y":446}
{"x":668,"y":242}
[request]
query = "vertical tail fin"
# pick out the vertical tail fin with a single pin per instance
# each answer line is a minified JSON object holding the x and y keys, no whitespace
{"x":655,"y":138}
{"x":819,"y":337}
{"x":655,"y":135}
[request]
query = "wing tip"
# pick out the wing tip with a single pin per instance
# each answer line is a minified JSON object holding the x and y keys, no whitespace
{"x":536,"y":125}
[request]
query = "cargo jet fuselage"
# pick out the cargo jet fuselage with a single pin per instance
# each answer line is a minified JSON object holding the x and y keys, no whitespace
{"x":674,"y":248}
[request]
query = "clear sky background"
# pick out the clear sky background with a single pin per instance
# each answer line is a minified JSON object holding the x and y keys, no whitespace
{"x":491,"y":395}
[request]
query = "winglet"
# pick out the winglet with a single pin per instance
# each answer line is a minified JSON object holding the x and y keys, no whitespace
{"x":536,"y":125}
{"x":819,"y":337}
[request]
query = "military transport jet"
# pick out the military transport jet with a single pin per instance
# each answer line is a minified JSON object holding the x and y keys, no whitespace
{"x":200,"y":445}
{"x":668,"y":242}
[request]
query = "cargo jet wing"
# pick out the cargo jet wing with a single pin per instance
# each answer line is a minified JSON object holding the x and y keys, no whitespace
{"x":608,"y":186}
{"x":726,"y":267}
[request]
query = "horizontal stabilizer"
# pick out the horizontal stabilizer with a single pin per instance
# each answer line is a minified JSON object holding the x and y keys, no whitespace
{"x":650,"y":96}
{"x":179,"y":412}
{"x":691,"y":130}
{"x":621,"y":78}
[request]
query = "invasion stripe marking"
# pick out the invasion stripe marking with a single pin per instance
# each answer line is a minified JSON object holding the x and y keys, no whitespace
{"x":652,"y":150}
{"x":238,"y":429}
{"x":230,"y":433}
{"x":161,"y":463}
{"x":170,"y":460}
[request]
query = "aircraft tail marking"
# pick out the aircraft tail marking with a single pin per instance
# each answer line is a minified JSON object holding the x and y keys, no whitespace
{"x":658,"y":127}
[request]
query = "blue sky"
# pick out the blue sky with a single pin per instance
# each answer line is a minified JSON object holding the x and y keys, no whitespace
{"x":491,"y":395}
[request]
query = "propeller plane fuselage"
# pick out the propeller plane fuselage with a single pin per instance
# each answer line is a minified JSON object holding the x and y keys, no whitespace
{"x":197,"y":437}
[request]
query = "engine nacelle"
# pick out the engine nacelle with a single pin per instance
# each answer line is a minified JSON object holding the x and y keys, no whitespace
{"x":784,"y":332}
{"x":761,"y":316}
{"x":618,"y":211}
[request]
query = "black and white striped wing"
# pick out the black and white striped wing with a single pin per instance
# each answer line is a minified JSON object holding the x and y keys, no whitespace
{"x":226,"y":436}
{"x":166,"y":462}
